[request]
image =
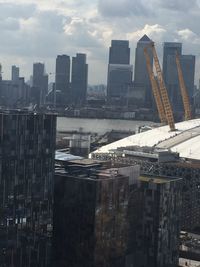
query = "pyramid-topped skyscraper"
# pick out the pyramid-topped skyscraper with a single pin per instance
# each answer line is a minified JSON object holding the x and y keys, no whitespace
{"x":145,"y":38}
{"x":142,"y":85}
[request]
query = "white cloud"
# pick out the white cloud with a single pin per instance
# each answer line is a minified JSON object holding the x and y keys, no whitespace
{"x":154,"y":32}
{"x":189,"y":36}
{"x":38,"y":30}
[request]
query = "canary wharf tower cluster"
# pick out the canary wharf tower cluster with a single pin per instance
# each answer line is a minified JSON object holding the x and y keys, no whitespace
{"x":128,"y":86}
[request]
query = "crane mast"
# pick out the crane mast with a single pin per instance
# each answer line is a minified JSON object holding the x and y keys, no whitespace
{"x":163,"y":91}
{"x":184,"y":93}
{"x":155,"y":89}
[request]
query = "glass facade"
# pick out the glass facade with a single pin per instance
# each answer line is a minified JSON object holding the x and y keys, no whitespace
{"x":27,"y":144}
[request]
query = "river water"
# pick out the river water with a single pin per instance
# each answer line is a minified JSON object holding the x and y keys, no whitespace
{"x":100,"y":126}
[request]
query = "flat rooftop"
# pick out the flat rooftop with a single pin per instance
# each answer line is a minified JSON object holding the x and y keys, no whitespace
{"x":185,"y":140}
{"x":157,"y":180}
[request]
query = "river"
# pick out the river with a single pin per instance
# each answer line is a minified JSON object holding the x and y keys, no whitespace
{"x":100,"y":126}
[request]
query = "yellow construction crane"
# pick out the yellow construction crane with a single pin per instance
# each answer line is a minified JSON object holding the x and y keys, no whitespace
{"x":184,"y":93}
{"x":155,"y":88}
{"x":163,"y":91}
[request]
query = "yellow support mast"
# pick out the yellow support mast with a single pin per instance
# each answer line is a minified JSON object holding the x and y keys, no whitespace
{"x":155,"y":88}
{"x":183,"y":89}
{"x":163,"y":91}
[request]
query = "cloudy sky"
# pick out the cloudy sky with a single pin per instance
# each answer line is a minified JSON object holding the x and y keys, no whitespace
{"x":38,"y":30}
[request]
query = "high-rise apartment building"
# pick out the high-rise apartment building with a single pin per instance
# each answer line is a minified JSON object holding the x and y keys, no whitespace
{"x":62,"y":81}
{"x":119,"y":78}
{"x":155,"y":240}
{"x":112,"y":217}
{"x":142,"y":85}
{"x":92,"y":230}
{"x":79,"y":79}
{"x":27,"y":143}
{"x":170,"y":75}
{"x":40,"y":84}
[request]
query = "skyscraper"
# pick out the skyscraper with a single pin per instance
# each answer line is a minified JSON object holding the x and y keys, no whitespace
{"x":119,"y":52}
{"x":92,"y":230}
{"x":119,"y":78}
{"x":79,"y":79}
{"x":27,"y":144}
{"x":142,"y":85}
{"x":40,"y":84}
{"x":170,"y":49}
{"x":13,"y":93}
{"x":114,"y":217}
{"x":170,"y":75}
{"x":157,"y":227}
{"x":15,"y":74}
{"x":62,"y":80}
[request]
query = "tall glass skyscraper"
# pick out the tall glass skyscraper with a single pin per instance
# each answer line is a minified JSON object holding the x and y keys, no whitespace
{"x":119,"y":52}
{"x":79,"y":79}
{"x":62,"y":80}
{"x":40,"y":84}
{"x":142,"y":85}
{"x":119,"y":71}
{"x":170,"y":75}
{"x":27,"y":148}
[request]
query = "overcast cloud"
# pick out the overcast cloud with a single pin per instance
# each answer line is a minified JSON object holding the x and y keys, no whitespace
{"x":38,"y":30}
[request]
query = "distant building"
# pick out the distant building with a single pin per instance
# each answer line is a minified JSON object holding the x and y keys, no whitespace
{"x":15,"y":74}
{"x":170,"y":75}
{"x":142,"y":86}
{"x":119,"y":79}
{"x":62,"y":80}
{"x":26,"y":182}
{"x":119,"y":52}
{"x":14,"y":93}
{"x":79,"y":79}
{"x":40,"y":84}
{"x":169,"y":49}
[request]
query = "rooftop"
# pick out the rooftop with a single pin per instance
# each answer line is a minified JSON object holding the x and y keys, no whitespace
{"x":157,"y":180}
{"x":145,"y":38}
{"x":185,"y":140}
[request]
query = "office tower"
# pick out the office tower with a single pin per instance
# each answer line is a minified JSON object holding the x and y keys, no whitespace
{"x":188,"y":69}
{"x":169,"y":49}
{"x":79,"y":80}
{"x":119,"y":78}
{"x":92,"y":230}
{"x":40,"y":84}
{"x":171,"y":76}
{"x":15,"y":74}
{"x":155,"y":241}
{"x":62,"y":81}
{"x":27,"y":146}
{"x":119,"y":52}
{"x":142,"y":85}
{"x":13,"y":91}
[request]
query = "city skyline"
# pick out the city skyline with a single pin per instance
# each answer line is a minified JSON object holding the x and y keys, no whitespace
{"x":35,"y":31}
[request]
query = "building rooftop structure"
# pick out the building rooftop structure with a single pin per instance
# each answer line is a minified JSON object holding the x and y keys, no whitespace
{"x":185,"y":140}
